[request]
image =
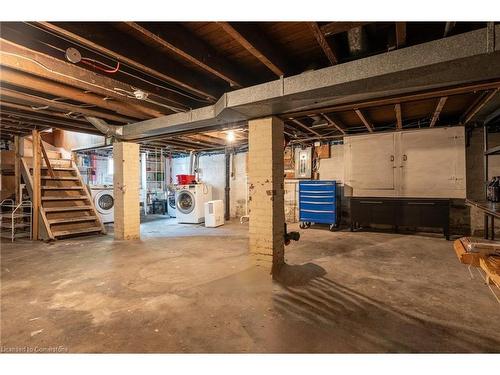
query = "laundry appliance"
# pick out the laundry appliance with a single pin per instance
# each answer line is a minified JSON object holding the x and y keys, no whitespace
{"x":104,"y":202}
{"x":171,"y":208}
{"x":190,"y":202}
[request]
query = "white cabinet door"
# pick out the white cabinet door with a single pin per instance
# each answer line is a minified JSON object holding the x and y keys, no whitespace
{"x":432,"y":163}
{"x":370,"y":164}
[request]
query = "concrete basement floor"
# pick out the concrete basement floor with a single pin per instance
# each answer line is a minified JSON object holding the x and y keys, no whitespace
{"x":186,"y":288}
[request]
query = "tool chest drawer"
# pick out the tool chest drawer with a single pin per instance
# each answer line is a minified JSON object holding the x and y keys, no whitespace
{"x":318,"y":201}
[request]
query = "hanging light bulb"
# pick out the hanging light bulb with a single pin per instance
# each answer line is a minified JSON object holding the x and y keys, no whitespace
{"x":230,"y":137}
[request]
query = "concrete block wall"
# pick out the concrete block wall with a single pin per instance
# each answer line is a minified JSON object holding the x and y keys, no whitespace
{"x":126,"y":184}
{"x":266,"y":191}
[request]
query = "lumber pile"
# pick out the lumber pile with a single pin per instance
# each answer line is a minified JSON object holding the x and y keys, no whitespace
{"x":481,"y":253}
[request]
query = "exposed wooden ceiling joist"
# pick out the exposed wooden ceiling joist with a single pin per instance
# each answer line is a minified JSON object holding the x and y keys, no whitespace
{"x":333,"y":28}
{"x":43,"y":102}
{"x":334,"y":123}
{"x":437,"y":111}
{"x":305,"y":127}
{"x":256,"y":43}
{"x":175,"y":38}
{"x":323,"y":43}
{"x":456,"y":90}
{"x":364,"y":120}
{"x":400,"y":34}
{"x":399,"y":117}
{"x":24,"y":80}
{"x":165,"y":71}
{"x":29,"y":61}
{"x":478,"y":105}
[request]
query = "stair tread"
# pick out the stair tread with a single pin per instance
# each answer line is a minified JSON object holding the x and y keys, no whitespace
{"x":65,"y":220}
{"x":63,"y":209}
{"x":63,"y":188}
{"x":59,"y":168}
{"x":60,"y":178}
{"x":67,"y":198}
{"x":75,"y":231}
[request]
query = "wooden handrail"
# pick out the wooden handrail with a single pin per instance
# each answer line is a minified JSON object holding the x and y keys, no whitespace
{"x":46,"y":158}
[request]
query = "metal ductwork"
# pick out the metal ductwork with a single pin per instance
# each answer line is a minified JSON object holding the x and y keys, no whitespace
{"x":108,"y":130}
{"x":357,"y":41}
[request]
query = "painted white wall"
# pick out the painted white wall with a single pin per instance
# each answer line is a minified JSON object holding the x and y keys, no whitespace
{"x":333,"y":168}
{"x":212,"y":172}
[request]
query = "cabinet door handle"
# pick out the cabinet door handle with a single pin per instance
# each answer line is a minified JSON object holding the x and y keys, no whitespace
{"x":371,"y":202}
{"x":422,"y":203}
{"x":405,"y":157}
{"x":392,"y":157}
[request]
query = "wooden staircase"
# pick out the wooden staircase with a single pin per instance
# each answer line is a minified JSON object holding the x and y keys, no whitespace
{"x":66,"y":206}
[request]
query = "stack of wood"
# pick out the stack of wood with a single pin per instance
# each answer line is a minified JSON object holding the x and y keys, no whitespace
{"x":481,"y":253}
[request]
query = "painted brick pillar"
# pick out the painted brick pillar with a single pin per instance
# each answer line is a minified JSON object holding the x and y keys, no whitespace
{"x":266,"y":192}
{"x":126,"y":182}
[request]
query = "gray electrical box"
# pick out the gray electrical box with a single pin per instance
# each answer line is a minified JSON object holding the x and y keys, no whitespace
{"x":303,"y":162}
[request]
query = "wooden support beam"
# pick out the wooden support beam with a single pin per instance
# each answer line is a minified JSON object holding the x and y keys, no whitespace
{"x":477,"y":106}
{"x":45,"y":86}
{"x":334,"y":123}
{"x":437,"y":111}
{"x":47,"y":161}
{"x":400,"y":34}
{"x":391,"y":100}
{"x":175,"y":38}
{"x":17,"y":168}
{"x":323,"y":43}
{"x":305,"y":127}
{"x":41,"y":65}
{"x":135,"y":55}
{"x":36,"y":199}
{"x":364,"y":120}
{"x":399,"y":117}
{"x":43,"y":102}
{"x":255,"y":42}
{"x":333,"y":28}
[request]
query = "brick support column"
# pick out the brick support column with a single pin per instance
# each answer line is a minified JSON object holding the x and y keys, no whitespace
{"x":126,"y":181}
{"x":266,"y":192}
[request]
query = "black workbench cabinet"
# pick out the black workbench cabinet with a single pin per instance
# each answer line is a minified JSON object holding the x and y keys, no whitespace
{"x":410,"y":212}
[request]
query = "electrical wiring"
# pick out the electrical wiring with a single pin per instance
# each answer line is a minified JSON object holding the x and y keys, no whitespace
{"x":89,"y":62}
{"x":131,"y":67}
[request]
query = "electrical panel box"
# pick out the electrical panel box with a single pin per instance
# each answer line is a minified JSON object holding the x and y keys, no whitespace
{"x":303,"y":163}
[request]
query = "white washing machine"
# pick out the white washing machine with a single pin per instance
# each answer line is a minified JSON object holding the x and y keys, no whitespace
{"x":104,"y":202}
{"x":171,"y":209}
{"x":190,"y":202}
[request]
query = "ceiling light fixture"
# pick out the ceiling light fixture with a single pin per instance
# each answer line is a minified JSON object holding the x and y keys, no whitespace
{"x":230,"y":137}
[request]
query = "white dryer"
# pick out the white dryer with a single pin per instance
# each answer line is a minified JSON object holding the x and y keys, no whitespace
{"x":190,"y":202}
{"x":104,"y":202}
{"x":171,"y":208}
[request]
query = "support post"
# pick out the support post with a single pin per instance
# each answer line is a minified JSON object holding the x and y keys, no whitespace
{"x":36,"y":184}
{"x":126,"y":181}
{"x":266,"y":192}
{"x":17,"y":168}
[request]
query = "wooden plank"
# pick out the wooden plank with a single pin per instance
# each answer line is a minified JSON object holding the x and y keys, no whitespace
{"x":33,"y":62}
{"x":68,"y":209}
{"x":364,"y":120}
{"x":477,"y":106}
{"x":175,"y":38}
{"x":45,"y":86}
{"x":59,"y":178}
{"x":400,"y":34}
{"x":71,"y":232}
{"x":66,"y":198}
{"x":437,"y":111}
{"x":399,"y":117}
{"x":65,"y":220}
{"x":255,"y":42}
{"x":305,"y":127}
{"x":17,"y":168}
{"x":323,"y":43}
{"x":47,"y":161}
{"x":335,"y":123}
{"x":136,"y":55}
{"x":36,"y":184}
{"x":43,"y":102}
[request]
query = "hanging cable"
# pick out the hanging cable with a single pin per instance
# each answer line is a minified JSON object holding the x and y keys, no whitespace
{"x":94,"y":63}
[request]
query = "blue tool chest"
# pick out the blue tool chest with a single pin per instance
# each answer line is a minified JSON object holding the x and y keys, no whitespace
{"x":318,"y":202}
